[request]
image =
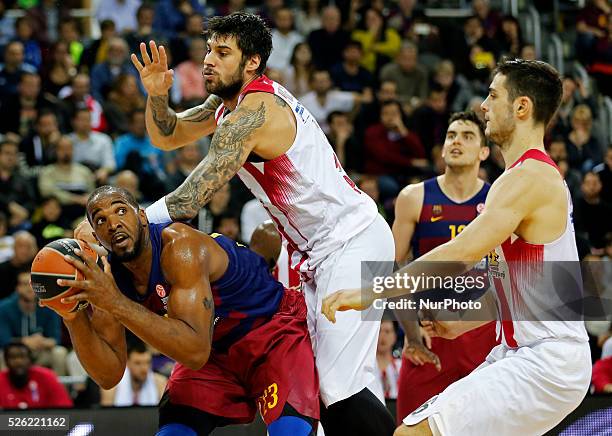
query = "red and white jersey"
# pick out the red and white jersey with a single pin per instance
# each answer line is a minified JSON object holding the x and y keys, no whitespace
{"x":314,"y":204}
{"x":283,"y":272}
{"x":532,"y":281}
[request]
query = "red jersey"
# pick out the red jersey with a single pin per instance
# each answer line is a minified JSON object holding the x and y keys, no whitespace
{"x":43,"y":391}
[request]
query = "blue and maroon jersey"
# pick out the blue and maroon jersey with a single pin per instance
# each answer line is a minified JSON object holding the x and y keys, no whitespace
{"x":441,"y":218}
{"x":245,"y":297}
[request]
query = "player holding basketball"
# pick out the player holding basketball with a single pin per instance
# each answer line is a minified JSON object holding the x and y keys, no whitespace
{"x":263,"y":134}
{"x":429,"y":214}
{"x":240,"y":340}
{"x":541,"y":370}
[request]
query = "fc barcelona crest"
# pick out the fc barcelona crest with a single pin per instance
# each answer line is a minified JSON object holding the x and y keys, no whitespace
{"x":436,"y":210}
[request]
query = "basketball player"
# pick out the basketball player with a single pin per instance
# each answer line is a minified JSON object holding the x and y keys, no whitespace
{"x":429,"y":214}
{"x":267,"y":137}
{"x":541,"y":370}
{"x":240,"y":340}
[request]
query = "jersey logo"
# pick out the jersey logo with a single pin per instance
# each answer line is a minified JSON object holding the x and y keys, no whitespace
{"x":436,"y":209}
{"x":160,"y":291}
{"x":436,"y":218}
{"x":480,"y":207}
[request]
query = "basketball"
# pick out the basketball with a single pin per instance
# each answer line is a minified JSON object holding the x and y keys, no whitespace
{"x":49,"y":266}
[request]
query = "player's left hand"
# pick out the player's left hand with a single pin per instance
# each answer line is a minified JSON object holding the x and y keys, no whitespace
{"x":98,"y":287}
{"x":348,"y":299}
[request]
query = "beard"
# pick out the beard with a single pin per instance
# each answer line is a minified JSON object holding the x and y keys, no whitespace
{"x":135,"y":251}
{"x":504,"y":131}
{"x":19,"y":380}
{"x":227,"y":90}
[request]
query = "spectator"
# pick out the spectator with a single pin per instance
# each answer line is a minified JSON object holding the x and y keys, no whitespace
{"x":389,"y":147}
{"x":67,"y":180}
{"x":70,"y":33}
{"x":583,"y":149}
{"x":602,"y":376}
{"x":267,"y":10}
{"x":145,"y":15}
{"x":328,"y":42}
{"x":349,"y":75}
{"x":61,"y":71}
{"x":97,"y":51}
{"x":12,"y":69}
{"x":50,"y":224}
{"x":297,"y":74}
{"x":121,"y":12}
{"x":528,"y":52}
{"x":388,"y":365}
{"x":230,"y":7}
{"x":458,"y":91}
{"x":284,"y":40}
{"x":571,"y":177}
{"x":128,"y":180}
{"x":117,"y":63}
{"x":24,"y":250}
{"x":228,"y":224}
{"x":369,"y":185}
{"x":46,"y":17}
{"x":380,"y":43}
{"x":179,"y":45}
{"x":170,"y":15}
{"x":430,"y":120}
{"x":189,"y":72}
{"x":7,"y":25}
{"x":17,"y":192}
{"x":135,"y":152}
{"x":475,"y":54}
{"x":575,"y":92}
{"x":24,"y":32}
{"x":308,"y":18}
{"x":123,"y":99}
{"x":402,"y":16}
{"x":410,"y":77}
{"x":78,"y":97}
{"x":509,"y":37}
{"x":187,"y":158}
{"x":489,"y":18}
{"x":322,"y":100}
{"x":219,"y":205}
{"x":341,"y":138}
{"x":39,"y":146}
{"x":592,"y":214}
{"x":590,"y":25}
{"x":369,"y":113}
{"x":140,"y":386}
{"x":23,"y":319}
{"x":18,"y":112}
{"x":27,"y":386}
{"x":601,"y":68}
{"x":92,"y":149}
{"x":7,"y":242}
{"x":604,"y":170}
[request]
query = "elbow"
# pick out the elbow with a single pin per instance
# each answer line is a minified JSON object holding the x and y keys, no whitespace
{"x":109,"y":382}
{"x":164,"y":143}
{"x":197,"y":360}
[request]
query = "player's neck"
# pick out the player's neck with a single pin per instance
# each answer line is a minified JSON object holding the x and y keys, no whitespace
{"x":233,"y":102}
{"x":140,"y":267}
{"x":460,"y":184}
{"x":524,"y":138}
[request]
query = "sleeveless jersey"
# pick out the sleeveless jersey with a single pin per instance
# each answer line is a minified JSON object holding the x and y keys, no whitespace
{"x":534,"y":281}
{"x":441,"y":218}
{"x":245,"y":297}
{"x":314,"y":204}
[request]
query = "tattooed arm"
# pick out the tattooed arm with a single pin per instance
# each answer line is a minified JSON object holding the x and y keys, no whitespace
{"x":169,"y":130}
{"x":229,"y":149}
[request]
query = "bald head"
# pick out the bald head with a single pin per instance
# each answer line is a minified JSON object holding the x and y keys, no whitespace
{"x":266,"y":241}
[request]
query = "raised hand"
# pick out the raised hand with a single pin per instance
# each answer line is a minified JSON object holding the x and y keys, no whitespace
{"x":418,"y":350}
{"x":155,"y":75}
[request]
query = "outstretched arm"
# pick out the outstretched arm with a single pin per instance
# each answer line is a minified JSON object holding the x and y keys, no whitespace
{"x":229,"y":149}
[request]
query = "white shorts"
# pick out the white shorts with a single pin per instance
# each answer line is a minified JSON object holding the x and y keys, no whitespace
{"x":516,"y":391}
{"x":345,"y":352}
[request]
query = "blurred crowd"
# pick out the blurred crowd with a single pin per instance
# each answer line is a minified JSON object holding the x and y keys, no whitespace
{"x":380,"y":76}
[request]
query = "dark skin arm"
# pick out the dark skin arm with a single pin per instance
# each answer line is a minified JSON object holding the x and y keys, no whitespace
{"x":185,"y":335}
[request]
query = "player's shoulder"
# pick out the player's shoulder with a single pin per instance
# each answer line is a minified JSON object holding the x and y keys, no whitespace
{"x":412,"y":193}
{"x":178,"y":237}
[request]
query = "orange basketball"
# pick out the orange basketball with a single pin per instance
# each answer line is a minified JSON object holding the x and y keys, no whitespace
{"x":49,"y":265}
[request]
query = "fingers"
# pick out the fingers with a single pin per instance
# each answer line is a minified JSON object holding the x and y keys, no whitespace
{"x":136,"y":62}
{"x":145,"y":55}
{"x":163,"y":58}
{"x":79,"y":284}
{"x":75,"y":298}
{"x":329,"y":307}
{"x":107,"y":267}
{"x":79,"y":263}
{"x":154,"y":52}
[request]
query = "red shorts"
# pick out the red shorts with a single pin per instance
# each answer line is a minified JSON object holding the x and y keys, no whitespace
{"x":458,"y":357}
{"x":270,"y":366}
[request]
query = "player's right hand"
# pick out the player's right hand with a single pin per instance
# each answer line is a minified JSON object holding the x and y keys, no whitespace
{"x":418,"y":350}
{"x":442,"y":329}
{"x":348,"y":299}
{"x":155,"y":75}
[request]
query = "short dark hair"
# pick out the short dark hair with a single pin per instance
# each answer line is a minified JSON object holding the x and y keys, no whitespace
{"x":8,"y":141}
{"x":252,"y":35}
{"x":538,"y":81}
{"x":472,"y":117}
{"x":16,"y":344}
{"x":393,"y":102}
{"x":334,"y":114}
{"x":137,"y":347}
{"x":105,"y":190}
